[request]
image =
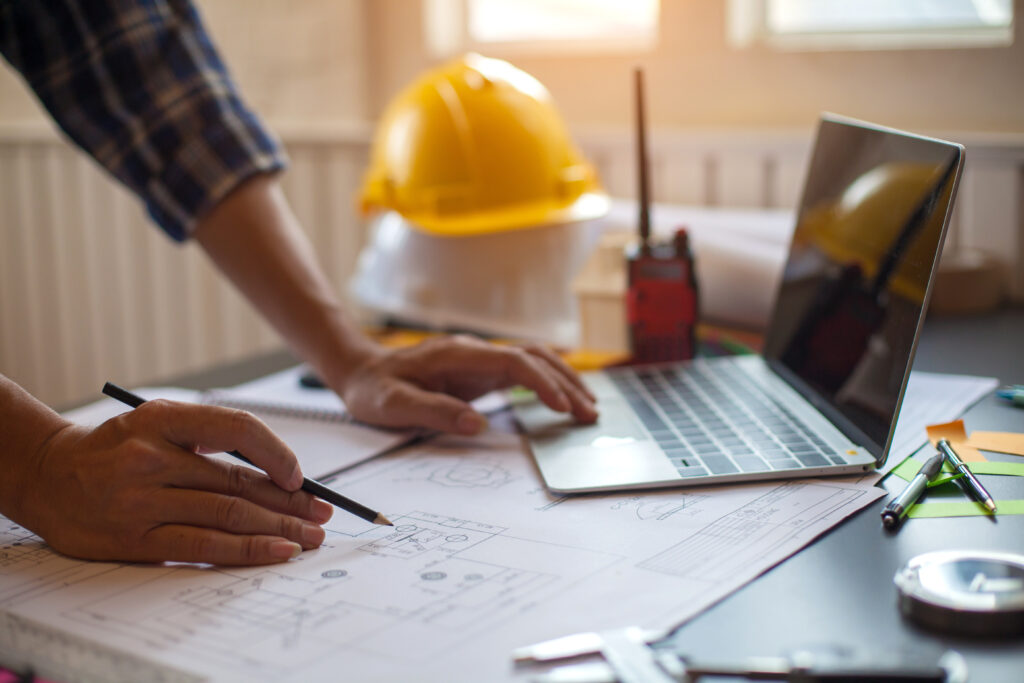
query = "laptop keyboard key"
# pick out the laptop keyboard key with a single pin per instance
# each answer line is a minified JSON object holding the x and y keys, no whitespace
{"x":692,"y":471}
{"x":774,"y":454}
{"x":813,"y":459}
{"x":786,"y":464}
{"x":719,"y":464}
{"x":751,"y":463}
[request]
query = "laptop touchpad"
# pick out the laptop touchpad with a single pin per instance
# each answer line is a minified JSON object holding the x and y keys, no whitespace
{"x":616,"y":425}
{"x":613,"y":452}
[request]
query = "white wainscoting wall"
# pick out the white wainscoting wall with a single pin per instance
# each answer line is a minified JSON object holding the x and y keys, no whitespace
{"x":90,"y":291}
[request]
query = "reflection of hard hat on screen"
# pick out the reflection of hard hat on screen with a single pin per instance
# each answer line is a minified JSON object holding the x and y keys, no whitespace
{"x":868,"y":217}
{"x":477,"y":146}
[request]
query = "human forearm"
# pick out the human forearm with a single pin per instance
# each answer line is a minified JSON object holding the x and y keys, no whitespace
{"x":254,"y":239}
{"x":26,"y":425}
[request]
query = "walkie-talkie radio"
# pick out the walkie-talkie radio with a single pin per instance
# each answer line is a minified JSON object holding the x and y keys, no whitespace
{"x":661,"y":302}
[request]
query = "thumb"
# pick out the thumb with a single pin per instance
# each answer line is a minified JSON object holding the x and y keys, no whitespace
{"x":409,"y":405}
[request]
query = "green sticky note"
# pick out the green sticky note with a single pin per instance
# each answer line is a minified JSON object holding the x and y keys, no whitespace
{"x":1012,"y":469}
{"x":909,"y":467}
{"x":967,"y":508}
{"x":519,"y":396}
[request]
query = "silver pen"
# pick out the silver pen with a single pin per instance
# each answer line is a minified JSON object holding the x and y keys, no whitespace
{"x":973,"y":486}
{"x":897,"y":508}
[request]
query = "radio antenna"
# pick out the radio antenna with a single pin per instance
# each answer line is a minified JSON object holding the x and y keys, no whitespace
{"x":641,"y":159}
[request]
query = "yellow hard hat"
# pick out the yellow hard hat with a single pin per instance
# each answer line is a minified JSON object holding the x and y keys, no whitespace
{"x":476,"y":146}
{"x":869,"y":215}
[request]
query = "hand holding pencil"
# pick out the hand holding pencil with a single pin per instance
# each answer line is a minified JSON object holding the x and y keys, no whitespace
{"x":136,"y":488}
{"x":314,"y":487}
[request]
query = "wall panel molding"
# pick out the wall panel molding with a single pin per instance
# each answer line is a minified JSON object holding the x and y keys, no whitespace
{"x":90,"y":291}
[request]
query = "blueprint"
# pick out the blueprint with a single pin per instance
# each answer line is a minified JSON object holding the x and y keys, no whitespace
{"x":482,"y":559}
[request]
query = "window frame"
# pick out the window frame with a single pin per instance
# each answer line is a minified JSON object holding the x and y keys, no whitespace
{"x":747,"y":27}
{"x":446,"y":24}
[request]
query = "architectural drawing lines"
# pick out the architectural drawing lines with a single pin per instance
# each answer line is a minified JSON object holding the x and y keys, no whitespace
{"x":736,"y":539}
{"x":448,"y":579}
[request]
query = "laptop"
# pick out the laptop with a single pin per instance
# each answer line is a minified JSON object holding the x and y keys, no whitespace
{"x":823,"y":396}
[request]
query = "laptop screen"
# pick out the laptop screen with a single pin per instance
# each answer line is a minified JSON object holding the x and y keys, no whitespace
{"x":857,"y":278}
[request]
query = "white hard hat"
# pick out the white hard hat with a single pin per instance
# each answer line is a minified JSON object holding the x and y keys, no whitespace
{"x":513,"y":284}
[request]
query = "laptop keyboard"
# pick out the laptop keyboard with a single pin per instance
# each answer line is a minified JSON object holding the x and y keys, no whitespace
{"x":713,"y":419}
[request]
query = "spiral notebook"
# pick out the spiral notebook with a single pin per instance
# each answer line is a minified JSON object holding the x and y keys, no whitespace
{"x":314,"y":423}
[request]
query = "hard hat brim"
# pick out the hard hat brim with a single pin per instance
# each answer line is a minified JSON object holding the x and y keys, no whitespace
{"x":587,"y":206}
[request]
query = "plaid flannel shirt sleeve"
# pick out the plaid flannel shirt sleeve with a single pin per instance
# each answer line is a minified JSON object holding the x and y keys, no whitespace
{"x":138,"y":84}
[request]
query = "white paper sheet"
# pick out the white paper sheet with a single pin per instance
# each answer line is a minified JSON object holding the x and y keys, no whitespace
{"x":932,"y":398}
{"x":328,"y":440}
{"x":481,"y":560}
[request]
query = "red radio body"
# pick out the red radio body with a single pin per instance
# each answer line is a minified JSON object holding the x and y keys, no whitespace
{"x":661,"y":302}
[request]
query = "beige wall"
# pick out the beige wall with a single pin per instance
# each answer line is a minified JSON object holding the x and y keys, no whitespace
{"x":324,"y":62}
{"x":319,"y":71}
{"x":296,"y":62}
{"x":695,"y":80}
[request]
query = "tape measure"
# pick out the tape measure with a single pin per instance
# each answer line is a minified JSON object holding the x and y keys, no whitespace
{"x":964,"y":592}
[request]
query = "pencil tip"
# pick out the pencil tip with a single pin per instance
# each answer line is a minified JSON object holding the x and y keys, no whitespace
{"x":382,"y":520}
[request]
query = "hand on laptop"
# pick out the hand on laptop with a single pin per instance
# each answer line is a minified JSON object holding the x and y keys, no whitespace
{"x":430,"y":384}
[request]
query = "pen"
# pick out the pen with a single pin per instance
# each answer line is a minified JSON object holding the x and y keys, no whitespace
{"x":973,"y":486}
{"x":311,"y":380}
{"x":1014,"y":394}
{"x":308,"y":485}
{"x":897,"y":508}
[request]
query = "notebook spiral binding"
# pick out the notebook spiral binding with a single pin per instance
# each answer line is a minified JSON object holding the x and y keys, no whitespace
{"x":281,"y":409}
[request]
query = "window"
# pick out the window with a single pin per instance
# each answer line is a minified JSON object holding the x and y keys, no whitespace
{"x":503,"y":26}
{"x":870,"y":24}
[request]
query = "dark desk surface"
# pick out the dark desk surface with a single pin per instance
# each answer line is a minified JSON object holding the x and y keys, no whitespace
{"x":839,"y":590}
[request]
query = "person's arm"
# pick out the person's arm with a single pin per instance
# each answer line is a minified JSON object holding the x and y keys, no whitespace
{"x":140,"y":87}
{"x":255,"y":240}
{"x":136,"y":487}
{"x":144,"y":91}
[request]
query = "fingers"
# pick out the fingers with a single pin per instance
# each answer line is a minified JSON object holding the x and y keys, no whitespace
{"x":198,"y":472}
{"x":404,"y":404}
{"x":555,"y":383}
{"x":182,"y":543}
{"x":580,"y":397}
{"x":134,"y":489}
{"x":465,"y":367}
{"x":562,"y":367}
{"x":196,"y":427}
{"x":235,"y":515}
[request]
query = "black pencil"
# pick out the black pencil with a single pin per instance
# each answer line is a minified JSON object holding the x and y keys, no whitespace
{"x":308,"y":485}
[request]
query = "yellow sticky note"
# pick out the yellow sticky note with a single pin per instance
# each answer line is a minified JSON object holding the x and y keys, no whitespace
{"x":955,"y":433}
{"x":1001,"y":442}
{"x":582,"y":360}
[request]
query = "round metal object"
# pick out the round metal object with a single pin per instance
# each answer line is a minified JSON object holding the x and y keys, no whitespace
{"x":964,"y":592}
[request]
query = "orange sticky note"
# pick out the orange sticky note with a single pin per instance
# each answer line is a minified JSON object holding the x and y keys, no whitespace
{"x":955,"y":434}
{"x":1001,"y":442}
